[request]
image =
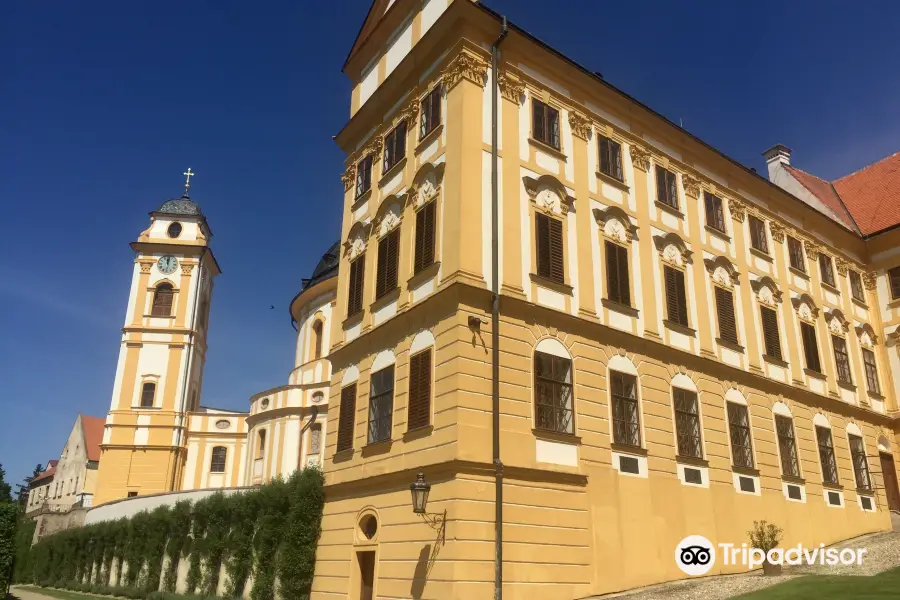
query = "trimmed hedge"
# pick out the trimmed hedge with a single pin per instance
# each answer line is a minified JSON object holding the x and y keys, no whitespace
{"x":269,"y":533}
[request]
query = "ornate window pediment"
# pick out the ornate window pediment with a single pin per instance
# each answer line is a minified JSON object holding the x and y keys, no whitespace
{"x":722,"y":271}
{"x":356,"y":239}
{"x":866,"y":334}
{"x":672,"y":249}
{"x":766,"y":290}
{"x":388,"y":217}
{"x":806,"y":307}
{"x":549,"y":194}
{"x":615,"y":224}
{"x":426,"y":184}
{"x":837,"y":322}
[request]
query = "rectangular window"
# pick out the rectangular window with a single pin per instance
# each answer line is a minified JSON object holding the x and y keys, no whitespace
{"x":894,"y":280}
{"x":355,"y":285}
{"x":388,"y":259}
{"x":395,"y":146}
{"x":715,"y":216}
{"x":739,"y":432}
{"x":666,"y":188}
{"x":810,"y":347}
{"x":826,"y":268}
{"x":553,"y":393}
{"x":610,"y":157}
{"x":431,"y":112}
{"x":758,"y":237}
{"x":784,"y":427}
{"x":424,"y":250}
{"x":381,"y":405}
{"x":148,"y":392}
{"x":315,"y":439}
{"x":871,"y":371}
{"x":548,"y":232}
{"x":676,"y":300}
{"x":261,"y":445}
{"x":826,"y":455}
{"x":725,"y":313}
{"x":842,"y":359}
{"x":219,"y":456}
{"x":795,"y":253}
{"x":771,"y":336}
{"x":687,"y":423}
{"x":346,"y":418}
{"x":626,"y":423}
{"x":545,"y":123}
{"x":856,"y":286}
{"x":419,"y":411}
{"x":617,"y":281}
{"x":363,"y":175}
{"x":860,"y":465}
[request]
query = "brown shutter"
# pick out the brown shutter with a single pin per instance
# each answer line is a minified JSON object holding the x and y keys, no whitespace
{"x":624,"y":282}
{"x":355,"y":285}
{"x":346,"y":417}
{"x":538,"y":130}
{"x":419,"y":414}
{"x":810,"y":347}
{"x":393,"y":259}
{"x":162,"y":301}
{"x":770,"y":332}
{"x":542,"y":243}
{"x":386,"y":276}
{"x":424,"y":249}
{"x":557,"y":271}
{"x":661,"y":184}
{"x":617,"y":274}
{"x":676,"y":300}
{"x":725,"y":312}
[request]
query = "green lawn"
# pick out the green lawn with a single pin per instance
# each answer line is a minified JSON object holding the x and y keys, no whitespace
{"x":825,"y":587}
{"x":64,"y":594}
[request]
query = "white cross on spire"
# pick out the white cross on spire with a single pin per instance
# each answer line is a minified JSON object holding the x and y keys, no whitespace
{"x":187,"y":184}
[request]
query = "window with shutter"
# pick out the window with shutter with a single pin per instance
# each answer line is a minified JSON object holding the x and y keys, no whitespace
{"x":676,"y":300}
{"x":549,"y":247}
{"x":148,"y":393}
{"x":545,"y":123}
{"x":364,"y":175}
{"x":431,"y":111}
{"x":725,"y":313}
{"x":666,"y":187}
{"x":787,"y":446}
{"x":626,"y":420}
{"x":419,"y":410}
{"x":810,"y":347}
{"x":871,"y":371}
{"x":894,"y":280}
{"x":771,"y":336}
{"x":795,"y":252}
{"x":826,"y":455}
{"x":395,"y":146}
{"x":381,"y":405}
{"x":687,"y":423}
{"x":610,"y":157}
{"x":162,"y":300}
{"x":856,"y":287}
{"x":740,"y":436}
{"x":424,"y":249}
{"x":617,"y":281}
{"x":217,"y":464}
{"x":388,"y":259}
{"x":860,"y":465}
{"x":758,"y":239}
{"x":826,"y":268}
{"x":355,"y":285}
{"x":715,"y":216}
{"x":842,"y":359}
{"x":553,"y":402}
{"x":346,"y":418}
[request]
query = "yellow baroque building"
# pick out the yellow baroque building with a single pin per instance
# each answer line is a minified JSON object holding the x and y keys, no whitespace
{"x":683,"y":345}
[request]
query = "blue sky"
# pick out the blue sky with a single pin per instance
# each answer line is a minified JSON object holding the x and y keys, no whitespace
{"x":104,"y":104}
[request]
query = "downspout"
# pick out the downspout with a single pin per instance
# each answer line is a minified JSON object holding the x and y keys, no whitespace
{"x":495,"y":322}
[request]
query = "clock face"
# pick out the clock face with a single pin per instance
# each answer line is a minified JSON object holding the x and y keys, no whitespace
{"x":167,"y":264}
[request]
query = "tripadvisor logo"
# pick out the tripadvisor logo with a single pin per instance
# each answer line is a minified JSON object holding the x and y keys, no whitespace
{"x":695,"y":555}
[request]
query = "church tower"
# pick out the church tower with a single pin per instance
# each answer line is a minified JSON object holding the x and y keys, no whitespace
{"x":160,"y":369}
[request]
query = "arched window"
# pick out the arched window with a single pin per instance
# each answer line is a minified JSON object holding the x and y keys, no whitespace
{"x":261,"y":450}
{"x":553,"y":400}
{"x":317,"y":339}
{"x":217,"y":464}
{"x":148,"y":393}
{"x":162,"y":300}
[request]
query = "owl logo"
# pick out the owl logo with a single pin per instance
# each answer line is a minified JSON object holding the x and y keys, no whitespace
{"x":695,"y":555}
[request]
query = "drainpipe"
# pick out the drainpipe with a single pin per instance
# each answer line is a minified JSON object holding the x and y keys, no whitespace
{"x":495,"y":323}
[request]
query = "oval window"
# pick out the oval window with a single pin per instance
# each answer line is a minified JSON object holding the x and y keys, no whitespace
{"x":223,"y":424}
{"x":174,"y":230}
{"x":265,"y":403}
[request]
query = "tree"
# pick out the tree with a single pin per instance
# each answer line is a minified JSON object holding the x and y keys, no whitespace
{"x":5,"y":490}
{"x":22,"y":493}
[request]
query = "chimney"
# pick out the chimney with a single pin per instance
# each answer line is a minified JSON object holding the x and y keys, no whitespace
{"x":776,"y":157}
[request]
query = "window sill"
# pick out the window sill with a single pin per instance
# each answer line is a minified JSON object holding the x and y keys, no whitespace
{"x":691,"y":460}
{"x":669,"y":209}
{"x":390,"y":172}
{"x":865,"y":491}
{"x":425,"y":274}
{"x":542,"y":281}
{"x":418,"y":433}
{"x":893,"y":304}
{"x":619,"y":308}
{"x":730,"y":345}
{"x":353,"y":319}
{"x":374,"y":448}
{"x":618,"y":183}
{"x":428,"y":138}
{"x":815,"y":374}
{"x":554,"y":436}
{"x":799,"y":273}
{"x":145,"y":408}
{"x":775,"y":361}
{"x":391,"y":296}
{"x":544,"y":147}
{"x":342,"y":455}
{"x":875,"y":395}
{"x":859,"y":303}
{"x":831,"y":288}
{"x":750,"y":471}
{"x":793,"y":479}
{"x":683,"y":329}
{"x":847,"y":385}
{"x":359,"y":200}
{"x":760,"y":254}
{"x":832,"y":486}
{"x":628,"y":449}
{"x":159,"y":316}
{"x":718,"y":233}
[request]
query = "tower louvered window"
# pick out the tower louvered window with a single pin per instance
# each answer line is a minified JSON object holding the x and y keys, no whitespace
{"x":548,"y":232}
{"x":162,"y":300}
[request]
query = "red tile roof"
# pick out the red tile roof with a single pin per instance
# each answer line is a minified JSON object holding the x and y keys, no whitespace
{"x":48,"y":472}
{"x":93,"y":435}
{"x":872,"y":194}
{"x":823,"y":190}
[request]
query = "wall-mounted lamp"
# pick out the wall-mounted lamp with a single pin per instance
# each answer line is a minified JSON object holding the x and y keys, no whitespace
{"x":419,"y":489}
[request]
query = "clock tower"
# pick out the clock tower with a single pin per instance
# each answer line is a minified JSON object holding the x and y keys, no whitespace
{"x":160,"y":369}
